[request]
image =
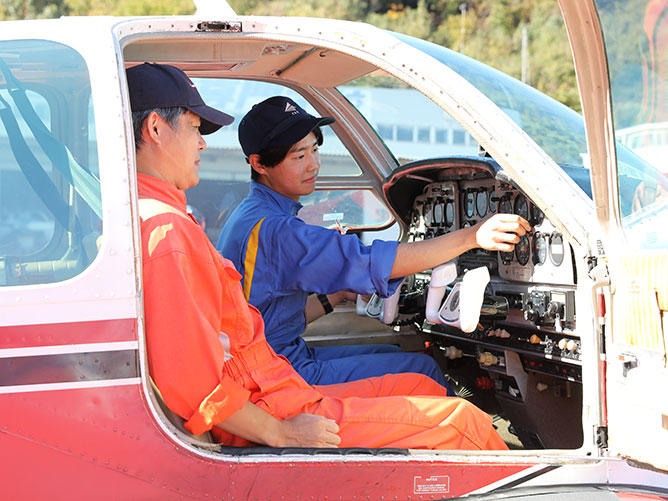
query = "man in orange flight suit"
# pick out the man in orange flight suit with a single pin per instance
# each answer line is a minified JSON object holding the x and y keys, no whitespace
{"x":206,"y":346}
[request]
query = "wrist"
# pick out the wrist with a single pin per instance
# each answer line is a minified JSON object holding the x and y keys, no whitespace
{"x":336,"y":298}
{"x":325,"y":302}
{"x":275,"y":436}
{"x":472,"y":241}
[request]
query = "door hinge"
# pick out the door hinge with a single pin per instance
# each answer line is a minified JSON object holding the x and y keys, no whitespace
{"x":224,"y":26}
{"x":601,"y":437}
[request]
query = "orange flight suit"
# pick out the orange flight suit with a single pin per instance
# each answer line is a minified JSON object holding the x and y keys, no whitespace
{"x":208,"y":355}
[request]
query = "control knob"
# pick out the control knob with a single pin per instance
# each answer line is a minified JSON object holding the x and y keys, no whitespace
{"x":531,"y":315}
{"x":487,"y":359}
{"x":554,"y":310}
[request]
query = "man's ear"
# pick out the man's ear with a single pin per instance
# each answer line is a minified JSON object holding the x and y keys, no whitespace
{"x":254,"y":161}
{"x":152,"y":129}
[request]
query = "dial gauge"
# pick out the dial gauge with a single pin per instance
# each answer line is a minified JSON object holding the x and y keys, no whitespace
{"x":439,"y":209}
{"x":523,"y":250}
{"x":427,"y":214}
{"x":493,"y":201}
{"x":537,"y":216}
{"x":469,"y":204}
{"x":539,"y":249}
{"x":556,"y":248}
{"x":438,"y":213}
{"x":506,"y":257}
{"x":449,"y":213}
{"x":521,"y":207}
{"x":505,"y":205}
{"x":481,"y":203}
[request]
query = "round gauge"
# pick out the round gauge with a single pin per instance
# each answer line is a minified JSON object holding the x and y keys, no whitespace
{"x":427,"y":214}
{"x":521,"y":207}
{"x":438,"y":213}
{"x":506,"y":257}
{"x":537,"y":216}
{"x":523,"y":250}
{"x":505,"y":206}
{"x":449,"y":213}
{"x":493,"y":201}
{"x":556,"y":248}
{"x":539,"y":248}
{"x":469,"y":204}
{"x":481,"y":203}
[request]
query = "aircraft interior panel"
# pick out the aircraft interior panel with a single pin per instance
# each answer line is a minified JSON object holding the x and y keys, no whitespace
{"x":526,"y":340}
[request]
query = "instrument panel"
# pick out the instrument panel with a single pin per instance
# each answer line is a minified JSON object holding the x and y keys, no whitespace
{"x":542,"y":256}
{"x":537,"y":279}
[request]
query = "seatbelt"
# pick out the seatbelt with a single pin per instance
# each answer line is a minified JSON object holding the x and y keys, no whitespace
{"x":83,"y":181}
{"x":38,"y":179}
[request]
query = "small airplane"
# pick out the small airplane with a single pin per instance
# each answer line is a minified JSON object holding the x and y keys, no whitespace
{"x":562,"y":341}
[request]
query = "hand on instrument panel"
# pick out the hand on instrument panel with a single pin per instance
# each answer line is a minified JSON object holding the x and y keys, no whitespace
{"x":309,"y":430}
{"x":501,"y":232}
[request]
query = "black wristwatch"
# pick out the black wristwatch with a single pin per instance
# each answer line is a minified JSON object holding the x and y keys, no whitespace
{"x":324,"y":301}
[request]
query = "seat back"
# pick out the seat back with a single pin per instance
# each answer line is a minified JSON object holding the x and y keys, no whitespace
{"x":176,"y":426}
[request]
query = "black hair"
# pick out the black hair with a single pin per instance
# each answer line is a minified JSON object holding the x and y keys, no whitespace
{"x":169,"y":115}
{"x":274,"y":155}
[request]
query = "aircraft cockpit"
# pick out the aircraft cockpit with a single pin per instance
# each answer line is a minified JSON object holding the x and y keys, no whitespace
{"x":524,"y":346}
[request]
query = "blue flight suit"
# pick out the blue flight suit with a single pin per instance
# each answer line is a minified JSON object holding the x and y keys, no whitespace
{"x":282,"y":259}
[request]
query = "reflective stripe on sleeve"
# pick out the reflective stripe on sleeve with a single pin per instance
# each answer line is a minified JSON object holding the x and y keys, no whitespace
{"x":251,"y":255}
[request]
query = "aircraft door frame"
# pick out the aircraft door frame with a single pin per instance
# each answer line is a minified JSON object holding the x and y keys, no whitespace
{"x":632,"y":282}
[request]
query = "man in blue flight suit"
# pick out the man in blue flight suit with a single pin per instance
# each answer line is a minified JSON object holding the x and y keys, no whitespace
{"x":283,"y":259}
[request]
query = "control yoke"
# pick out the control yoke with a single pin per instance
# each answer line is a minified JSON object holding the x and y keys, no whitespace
{"x":385,"y":310}
{"x":467,"y":300}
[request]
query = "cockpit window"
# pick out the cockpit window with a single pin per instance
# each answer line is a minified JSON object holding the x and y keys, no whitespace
{"x":636,"y":51}
{"x":50,"y":202}
{"x":225,"y":174}
{"x":559,"y":130}
{"x":556,"y":128}
{"x":411,"y":125}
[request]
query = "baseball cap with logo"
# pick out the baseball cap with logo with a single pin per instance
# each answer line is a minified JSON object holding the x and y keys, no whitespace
{"x":163,"y":86}
{"x":277,"y":121}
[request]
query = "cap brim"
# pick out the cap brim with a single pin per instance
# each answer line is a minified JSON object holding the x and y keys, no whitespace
{"x":298,"y":131}
{"x":212,"y":119}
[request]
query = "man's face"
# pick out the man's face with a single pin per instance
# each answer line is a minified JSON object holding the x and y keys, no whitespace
{"x":295,"y":176}
{"x":182,"y":147}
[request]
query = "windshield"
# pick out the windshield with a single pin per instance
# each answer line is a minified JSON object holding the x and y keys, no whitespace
{"x":557,"y":129}
{"x":636,"y":39}
{"x":553,"y":126}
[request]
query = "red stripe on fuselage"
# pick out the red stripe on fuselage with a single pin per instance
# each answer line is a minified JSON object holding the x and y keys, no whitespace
{"x":98,"y":331}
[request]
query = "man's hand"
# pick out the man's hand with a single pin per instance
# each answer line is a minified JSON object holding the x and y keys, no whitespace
{"x":308,"y":430}
{"x":501,"y":232}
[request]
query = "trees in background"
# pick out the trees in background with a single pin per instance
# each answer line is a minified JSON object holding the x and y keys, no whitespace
{"x":524,"y":38}
{"x":32,"y":9}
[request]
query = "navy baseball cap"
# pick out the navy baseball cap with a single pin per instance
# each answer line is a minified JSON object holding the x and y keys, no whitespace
{"x":163,"y":86}
{"x":277,"y":121}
